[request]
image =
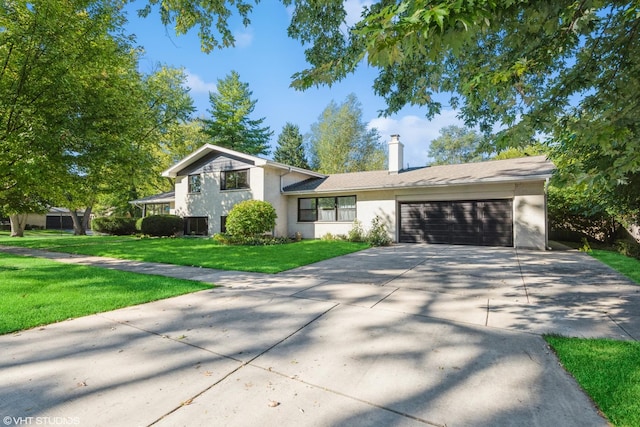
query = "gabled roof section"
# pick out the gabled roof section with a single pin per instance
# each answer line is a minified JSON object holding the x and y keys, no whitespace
{"x":522,"y":169}
{"x":209,"y":149}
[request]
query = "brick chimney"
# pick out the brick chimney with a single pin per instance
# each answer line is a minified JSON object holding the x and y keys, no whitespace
{"x":396,"y":149}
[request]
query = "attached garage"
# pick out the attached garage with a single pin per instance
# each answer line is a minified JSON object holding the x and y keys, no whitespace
{"x":460,"y":222}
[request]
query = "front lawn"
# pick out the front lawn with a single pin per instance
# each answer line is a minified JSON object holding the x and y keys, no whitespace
{"x":608,"y":370}
{"x":192,"y":251}
{"x":628,"y":266}
{"x":38,"y":292}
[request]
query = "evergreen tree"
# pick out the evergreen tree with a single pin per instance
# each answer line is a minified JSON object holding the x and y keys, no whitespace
{"x":290,"y":150}
{"x":230,"y":125}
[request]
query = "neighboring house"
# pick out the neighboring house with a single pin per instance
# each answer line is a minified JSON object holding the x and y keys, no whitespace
{"x":55,"y":219}
{"x":158,"y":204}
{"x":494,"y":203}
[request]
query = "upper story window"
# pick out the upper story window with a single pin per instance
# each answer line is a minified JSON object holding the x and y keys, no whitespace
{"x":233,"y":180}
{"x":195,"y":183}
{"x":339,"y":209}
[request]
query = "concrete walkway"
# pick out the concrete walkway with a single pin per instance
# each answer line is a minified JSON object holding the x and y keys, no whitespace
{"x":405,"y":335}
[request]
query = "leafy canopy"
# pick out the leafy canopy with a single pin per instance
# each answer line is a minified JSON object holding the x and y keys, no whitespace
{"x":565,"y":69}
{"x":456,"y":145}
{"x":340,"y":141}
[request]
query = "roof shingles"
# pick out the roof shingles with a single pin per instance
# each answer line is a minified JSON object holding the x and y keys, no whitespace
{"x":511,"y":170}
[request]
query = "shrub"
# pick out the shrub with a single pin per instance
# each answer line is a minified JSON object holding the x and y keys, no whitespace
{"x":251,"y":218}
{"x":356,"y":234}
{"x":332,"y":237}
{"x":161,"y":225}
{"x":116,"y":225}
{"x":628,"y":248}
{"x":378,"y":235}
{"x":229,"y":239}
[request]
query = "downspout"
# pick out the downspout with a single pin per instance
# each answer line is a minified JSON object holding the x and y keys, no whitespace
{"x":546,"y":215}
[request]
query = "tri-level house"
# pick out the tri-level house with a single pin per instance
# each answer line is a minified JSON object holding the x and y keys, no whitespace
{"x":493,"y":203}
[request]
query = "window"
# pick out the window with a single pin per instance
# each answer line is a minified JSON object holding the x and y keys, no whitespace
{"x":223,"y":224}
{"x":233,"y":180}
{"x":307,"y":210}
{"x":329,"y":209}
{"x":196,"y":226}
{"x":157,"y":209}
{"x":195,"y":183}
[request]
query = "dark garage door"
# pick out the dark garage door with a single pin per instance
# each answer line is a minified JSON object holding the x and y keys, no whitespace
{"x":59,"y":222}
{"x":474,"y":222}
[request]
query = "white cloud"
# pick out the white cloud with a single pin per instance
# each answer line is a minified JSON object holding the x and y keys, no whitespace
{"x":415,"y":133}
{"x":354,"y":10}
{"x":199,"y":86}
{"x":243,"y":37}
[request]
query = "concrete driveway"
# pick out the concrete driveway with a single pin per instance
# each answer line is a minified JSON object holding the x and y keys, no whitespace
{"x":405,"y":335}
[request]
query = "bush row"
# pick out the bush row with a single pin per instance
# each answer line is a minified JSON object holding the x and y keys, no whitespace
{"x":154,"y":225}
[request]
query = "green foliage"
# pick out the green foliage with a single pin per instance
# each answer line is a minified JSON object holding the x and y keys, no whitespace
{"x":564,"y":69}
{"x":378,"y":234}
{"x":356,"y":233}
{"x":586,"y":247}
{"x":290,"y":149}
{"x":456,"y":145}
{"x":340,"y":141}
{"x":234,"y":239}
{"x":230,"y":125}
{"x":115,"y":225}
{"x":161,"y":225}
{"x":575,"y":214}
{"x":629,"y":249}
{"x":251,"y":218}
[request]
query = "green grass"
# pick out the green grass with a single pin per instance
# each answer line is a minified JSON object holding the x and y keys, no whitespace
{"x":628,"y":266}
{"x":193,"y":251}
{"x":38,"y":292}
{"x":608,"y":370}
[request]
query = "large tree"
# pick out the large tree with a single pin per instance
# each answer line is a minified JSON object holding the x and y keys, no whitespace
{"x":290,"y":149}
{"x":340,"y":141}
{"x":53,"y":56}
{"x":456,"y":145}
{"x":230,"y":124}
{"x":562,"y":68}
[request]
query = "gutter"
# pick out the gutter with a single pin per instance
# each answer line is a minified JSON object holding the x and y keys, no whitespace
{"x":433,"y":185}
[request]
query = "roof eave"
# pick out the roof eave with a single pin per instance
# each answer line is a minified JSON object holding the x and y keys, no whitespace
{"x":509,"y":180}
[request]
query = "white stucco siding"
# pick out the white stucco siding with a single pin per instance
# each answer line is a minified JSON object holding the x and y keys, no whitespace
{"x":529,"y":209}
{"x":530,"y":217}
{"x":272,"y":194}
{"x":211,"y":202}
{"x":368,"y":205}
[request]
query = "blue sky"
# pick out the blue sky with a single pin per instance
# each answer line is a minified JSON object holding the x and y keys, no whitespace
{"x":265,"y":58}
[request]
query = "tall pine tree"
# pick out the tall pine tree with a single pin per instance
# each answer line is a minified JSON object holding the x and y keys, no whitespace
{"x":290,"y":150}
{"x":230,"y":125}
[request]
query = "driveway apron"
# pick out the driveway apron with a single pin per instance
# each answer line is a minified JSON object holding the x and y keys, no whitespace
{"x":405,"y":335}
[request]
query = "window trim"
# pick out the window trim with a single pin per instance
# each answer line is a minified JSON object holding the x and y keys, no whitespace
{"x":190,"y":186}
{"x":317,"y":208}
{"x":223,"y":179}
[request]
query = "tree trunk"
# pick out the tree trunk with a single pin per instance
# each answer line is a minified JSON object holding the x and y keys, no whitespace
{"x":17,"y":224}
{"x":86,"y":217}
{"x":78,"y":226}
